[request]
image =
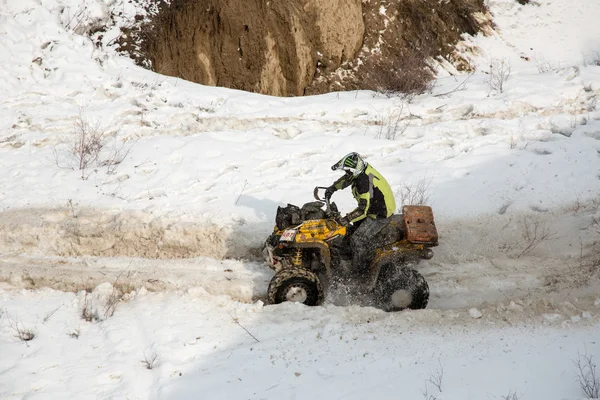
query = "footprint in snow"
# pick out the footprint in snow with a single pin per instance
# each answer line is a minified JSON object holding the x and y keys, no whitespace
{"x":175,"y":158}
{"x":538,"y":209}
{"x":270,"y":165}
{"x":593,"y":135}
{"x":503,"y":209}
{"x":145,"y":171}
{"x":542,"y":152}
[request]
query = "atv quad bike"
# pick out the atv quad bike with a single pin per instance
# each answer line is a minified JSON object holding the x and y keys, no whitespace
{"x":309,"y":248}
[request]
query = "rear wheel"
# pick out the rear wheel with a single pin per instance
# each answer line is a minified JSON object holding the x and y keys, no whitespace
{"x":297,"y":285}
{"x":399,"y":288}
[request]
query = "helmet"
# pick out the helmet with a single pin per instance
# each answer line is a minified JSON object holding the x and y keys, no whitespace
{"x":352,"y":163}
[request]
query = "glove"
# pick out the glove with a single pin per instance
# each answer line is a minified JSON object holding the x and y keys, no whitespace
{"x":344,"y":221}
{"x":329,"y":192}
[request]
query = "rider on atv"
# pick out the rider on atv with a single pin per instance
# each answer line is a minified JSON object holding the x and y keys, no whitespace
{"x":375,"y":204}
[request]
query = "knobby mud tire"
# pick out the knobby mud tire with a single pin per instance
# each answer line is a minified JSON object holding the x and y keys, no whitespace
{"x":392,"y":279}
{"x":289,"y":278}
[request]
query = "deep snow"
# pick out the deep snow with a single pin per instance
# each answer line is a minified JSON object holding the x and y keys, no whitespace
{"x":177,"y":225}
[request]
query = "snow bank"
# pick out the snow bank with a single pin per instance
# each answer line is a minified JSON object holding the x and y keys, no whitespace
{"x":109,"y":234}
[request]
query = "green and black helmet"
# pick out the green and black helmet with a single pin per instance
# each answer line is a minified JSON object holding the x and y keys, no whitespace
{"x":351,"y":163}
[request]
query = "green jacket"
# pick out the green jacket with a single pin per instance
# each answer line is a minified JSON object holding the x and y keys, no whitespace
{"x":372,"y":192}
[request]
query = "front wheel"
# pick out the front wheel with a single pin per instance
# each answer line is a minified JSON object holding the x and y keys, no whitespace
{"x":297,"y":285}
{"x":400,"y":288}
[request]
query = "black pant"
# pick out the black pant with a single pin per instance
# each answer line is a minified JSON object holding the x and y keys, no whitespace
{"x":364,"y":242}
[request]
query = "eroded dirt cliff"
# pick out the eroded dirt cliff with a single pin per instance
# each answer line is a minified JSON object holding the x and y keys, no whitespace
{"x":297,"y":47}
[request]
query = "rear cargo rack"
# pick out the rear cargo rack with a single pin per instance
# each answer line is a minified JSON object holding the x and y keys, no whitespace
{"x":420,"y":226}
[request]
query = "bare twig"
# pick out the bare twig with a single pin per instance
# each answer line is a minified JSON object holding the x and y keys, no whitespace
{"x":436,"y":377}
{"x":427,"y":395}
{"x":116,"y":155}
{"x":511,"y":396}
{"x":534,"y":233}
{"x":115,"y":297}
{"x":242,"y":326}
{"x":588,"y":379}
{"x":57,"y":161}
{"x":416,"y":193}
{"x":87,"y":144}
{"x":461,"y":86}
{"x":392,"y":123}
{"x":596,"y":223}
{"x":86,"y":309}
{"x":51,"y":313}
{"x":71,"y":207}
{"x":242,"y":191}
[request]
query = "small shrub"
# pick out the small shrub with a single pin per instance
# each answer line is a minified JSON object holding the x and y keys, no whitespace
{"x":398,"y":74}
{"x":415,"y":194}
{"x":25,"y":334}
{"x":588,"y":379}
{"x":149,"y":360}
{"x":498,"y":75}
{"x":87,"y":143}
{"x":592,"y":59}
{"x":87,"y":314}
{"x":511,"y":396}
{"x":75,"y":334}
{"x":111,"y":303}
{"x":544,"y":66}
{"x":436,"y":377}
{"x":22,"y":333}
{"x":86,"y":149}
{"x":391,"y":123}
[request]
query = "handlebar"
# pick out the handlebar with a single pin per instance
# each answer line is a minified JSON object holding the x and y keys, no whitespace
{"x":328,"y":211}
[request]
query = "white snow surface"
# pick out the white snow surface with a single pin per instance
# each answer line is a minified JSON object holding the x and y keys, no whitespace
{"x":155,"y":258}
